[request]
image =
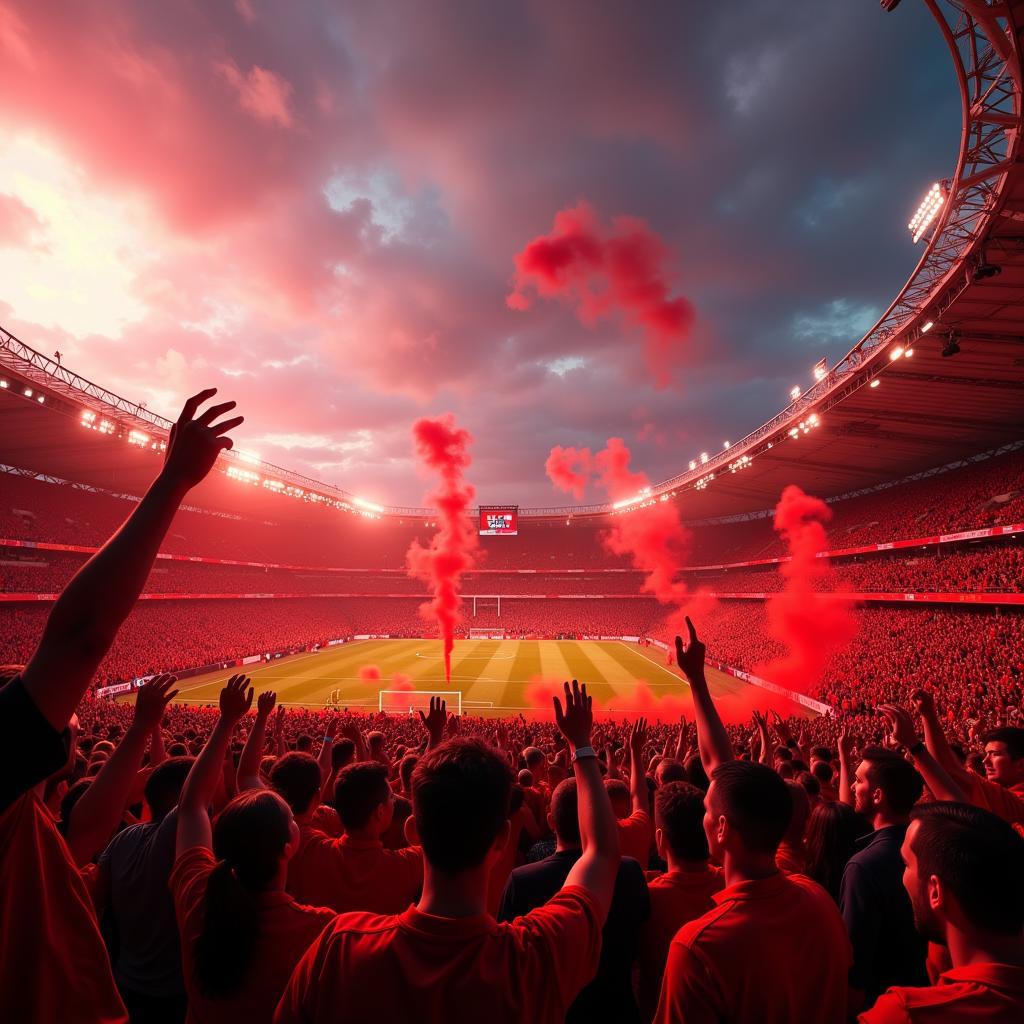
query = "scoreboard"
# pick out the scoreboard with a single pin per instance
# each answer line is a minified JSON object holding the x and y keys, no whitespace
{"x":499,"y":520}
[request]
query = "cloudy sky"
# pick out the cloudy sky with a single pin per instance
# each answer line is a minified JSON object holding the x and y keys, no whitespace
{"x":316,"y":208}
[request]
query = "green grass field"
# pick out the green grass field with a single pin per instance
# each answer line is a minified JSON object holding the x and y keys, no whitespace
{"x":492,"y":675}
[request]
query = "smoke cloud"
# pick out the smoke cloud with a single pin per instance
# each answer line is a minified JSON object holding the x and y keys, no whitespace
{"x":600,"y":272}
{"x":811,"y":624}
{"x":444,"y":449}
{"x":569,"y":469}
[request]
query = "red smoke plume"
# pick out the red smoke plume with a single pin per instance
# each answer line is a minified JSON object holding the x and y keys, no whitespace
{"x":600,"y":272}
{"x":443,"y":448}
{"x":569,"y":469}
{"x":813,"y":625}
{"x":400,"y":681}
{"x":369,"y":673}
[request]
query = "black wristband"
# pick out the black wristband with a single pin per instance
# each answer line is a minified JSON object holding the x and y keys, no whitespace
{"x":916,"y":748}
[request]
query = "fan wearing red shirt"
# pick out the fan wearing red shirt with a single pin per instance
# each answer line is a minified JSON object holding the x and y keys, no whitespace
{"x":963,"y":875}
{"x":241,"y":933}
{"x":446,"y":959}
{"x":682,"y":893}
{"x":774,"y":950}
{"x":631,"y":805}
{"x":356,"y":872}
{"x":53,"y":964}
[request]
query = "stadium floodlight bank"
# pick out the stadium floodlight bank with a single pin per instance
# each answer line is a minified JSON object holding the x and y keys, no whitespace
{"x":408,"y":702}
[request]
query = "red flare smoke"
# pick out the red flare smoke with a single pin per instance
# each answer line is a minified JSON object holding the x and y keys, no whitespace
{"x":569,"y":469}
{"x":400,"y":681}
{"x":443,"y":448}
{"x":812,"y":625}
{"x":369,"y":673}
{"x":600,"y":272}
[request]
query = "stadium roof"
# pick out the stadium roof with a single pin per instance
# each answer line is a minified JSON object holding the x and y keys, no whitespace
{"x":880,"y":414}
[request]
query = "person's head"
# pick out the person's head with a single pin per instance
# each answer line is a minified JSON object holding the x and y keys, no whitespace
{"x":363,"y":798}
{"x":885,"y":785}
{"x":679,"y":821}
{"x":461,"y":792}
{"x":1004,"y":755}
{"x":783,"y":753}
{"x":820,"y":754}
{"x":525,"y":778}
{"x":405,"y":770}
{"x":563,"y":816}
{"x":748,"y":808}
{"x":618,"y":793}
{"x":177,"y":749}
{"x":536,"y":761}
{"x":163,"y":787}
{"x":296,"y":777}
{"x":304,"y":744}
{"x":254,"y":837}
{"x":830,"y":840}
{"x":811,"y":787}
{"x":669,"y":770}
{"x":962,"y":868}
{"x":342,"y":753}
{"x":823,"y":772}
{"x":394,"y":837}
{"x":375,"y":743}
{"x":695,"y":773}
{"x":801,"y":812}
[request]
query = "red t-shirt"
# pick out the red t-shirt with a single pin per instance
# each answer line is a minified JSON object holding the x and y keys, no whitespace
{"x":286,"y":930}
{"x":773,"y":950}
{"x":53,"y":964}
{"x":983,"y":992}
{"x":635,"y":837}
{"x":677,"y":897}
{"x":415,"y":967}
{"x":349,"y":874}
{"x":1007,"y":802}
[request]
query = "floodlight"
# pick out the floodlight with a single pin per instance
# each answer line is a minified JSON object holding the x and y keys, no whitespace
{"x":703,"y":458}
{"x":27,"y":392}
{"x":875,"y":383}
{"x":927,"y":327}
{"x":909,"y":352}
{"x":3,"y":384}
{"x":927,"y":212}
{"x":726,"y":444}
{"x":794,"y":392}
{"x":895,"y":354}
{"x":820,"y":373}
{"x":693,"y":463}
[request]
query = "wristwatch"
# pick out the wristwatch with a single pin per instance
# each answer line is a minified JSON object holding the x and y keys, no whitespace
{"x":583,"y":752}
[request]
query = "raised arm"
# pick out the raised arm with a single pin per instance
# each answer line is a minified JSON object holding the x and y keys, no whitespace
{"x":324,"y":760}
{"x":87,"y":615}
{"x":157,"y":753}
{"x":637,"y":777}
{"x":845,"y":745}
{"x":596,"y":869}
{"x":96,"y":815}
{"x":434,"y":722}
{"x":937,"y":779}
{"x":255,"y":743}
{"x":197,"y":793}
{"x":712,"y":739}
{"x":935,"y":738}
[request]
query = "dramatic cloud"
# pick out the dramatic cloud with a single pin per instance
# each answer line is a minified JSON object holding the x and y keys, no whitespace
{"x":601,"y":272}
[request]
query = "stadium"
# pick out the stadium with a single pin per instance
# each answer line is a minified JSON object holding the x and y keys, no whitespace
{"x":863,"y":544}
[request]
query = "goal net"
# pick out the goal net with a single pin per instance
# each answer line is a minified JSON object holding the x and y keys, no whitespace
{"x":482,"y":633}
{"x":408,"y":702}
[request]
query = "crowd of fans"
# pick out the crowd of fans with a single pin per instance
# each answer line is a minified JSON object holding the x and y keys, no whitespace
{"x":160,"y":863}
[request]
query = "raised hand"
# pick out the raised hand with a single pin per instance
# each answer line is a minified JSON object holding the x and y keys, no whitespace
{"x":265,"y":703}
{"x":236,"y":698}
{"x":434,"y":721}
{"x":924,"y":703}
{"x":196,"y":441}
{"x":845,"y":744}
{"x":150,"y":700}
{"x":638,"y":737}
{"x":781,"y":727}
{"x":453,"y":725}
{"x":683,"y":740}
{"x":691,"y":659}
{"x":576,"y":723}
{"x":901,"y":725}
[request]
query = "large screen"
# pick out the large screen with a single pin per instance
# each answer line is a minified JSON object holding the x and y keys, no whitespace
{"x":498,"y":520}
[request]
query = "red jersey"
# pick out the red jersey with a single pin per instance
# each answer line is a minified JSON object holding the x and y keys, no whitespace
{"x":417,"y":967}
{"x":53,"y":964}
{"x":286,"y":930}
{"x":635,"y":837}
{"x":677,"y":897}
{"x":354,"y":874}
{"x":774,"y":950}
{"x":982,"y":992}
{"x":1007,"y":802}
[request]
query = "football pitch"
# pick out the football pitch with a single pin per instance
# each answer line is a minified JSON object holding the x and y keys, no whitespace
{"x":492,"y":675}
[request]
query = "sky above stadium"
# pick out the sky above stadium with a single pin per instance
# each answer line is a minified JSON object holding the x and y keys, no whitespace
{"x":317,"y":208}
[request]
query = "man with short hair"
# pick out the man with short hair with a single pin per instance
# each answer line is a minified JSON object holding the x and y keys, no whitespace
{"x":790,"y":856}
{"x":774,"y":949}
{"x":354,"y":872}
{"x":447,"y":959}
{"x":681,"y":894}
{"x":962,"y":873}
{"x":886,"y":949}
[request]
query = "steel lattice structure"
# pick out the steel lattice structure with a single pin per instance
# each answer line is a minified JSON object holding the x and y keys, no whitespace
{"x":982,"y":39}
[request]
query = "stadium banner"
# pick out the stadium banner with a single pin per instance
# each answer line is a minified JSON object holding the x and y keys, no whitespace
{"x":657,"y":643}
{"x":764,"y":684}
{"x":113,"y":691}
{"x":630,"y":639}
{"x":499,"y":520}
{"x":251,"y":660}
{"x":334,"y":643}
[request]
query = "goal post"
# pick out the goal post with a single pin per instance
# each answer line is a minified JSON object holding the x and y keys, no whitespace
{"x":407,"y":702}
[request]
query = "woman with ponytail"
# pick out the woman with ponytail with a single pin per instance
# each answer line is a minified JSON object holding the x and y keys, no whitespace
{"x":241,"y":933}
